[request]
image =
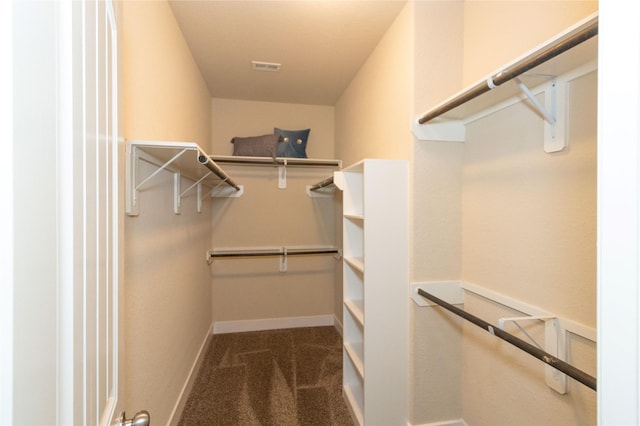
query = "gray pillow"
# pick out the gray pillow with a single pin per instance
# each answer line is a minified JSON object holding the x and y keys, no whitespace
{"x":255,"y":146}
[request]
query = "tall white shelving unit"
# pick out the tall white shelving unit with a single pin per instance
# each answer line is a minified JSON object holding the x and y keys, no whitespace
{"x":375,"y":290}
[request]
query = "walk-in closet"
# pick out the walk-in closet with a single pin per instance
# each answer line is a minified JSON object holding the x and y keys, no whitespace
{"x":335,"y":213}
{"x":502,"y":221}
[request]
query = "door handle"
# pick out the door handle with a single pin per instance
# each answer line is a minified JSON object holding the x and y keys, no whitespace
{"x":142,"y":418}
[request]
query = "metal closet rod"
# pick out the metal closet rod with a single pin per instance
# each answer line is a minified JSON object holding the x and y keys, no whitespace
{"x":275,"y":252}
{"x":277,"y":161}
{"x":322,"y":184}
{"x":543,"y":356}
{"x":556,"y":48}
{"x":209,"y":164}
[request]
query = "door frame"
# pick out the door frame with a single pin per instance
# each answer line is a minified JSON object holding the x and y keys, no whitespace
{"x":618,"y":214}
{"x":6,"y":216}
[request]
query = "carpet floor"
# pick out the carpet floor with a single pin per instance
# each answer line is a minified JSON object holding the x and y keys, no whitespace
{"x":267,"y":378}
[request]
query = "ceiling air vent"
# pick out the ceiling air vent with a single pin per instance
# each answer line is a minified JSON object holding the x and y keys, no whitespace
{"x":265,"y":66}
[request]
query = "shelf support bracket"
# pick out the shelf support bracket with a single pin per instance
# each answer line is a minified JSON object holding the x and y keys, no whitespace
{"x":283,"y":260}
{"x":548,"y":116}
{"x":553,"y":113}
{"x":133,"y":170}
{"x":198,"y":185}
{"x":224,"y":191}
{"x":554,"y":343}
{"x":176,"y":193}
{"x":282,"y":176}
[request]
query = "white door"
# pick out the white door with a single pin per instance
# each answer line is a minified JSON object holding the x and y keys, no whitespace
{"x":93,"y":185}
{"x":96,"y":157}
{"x":60,"y":337}
{"x":88,"y":107}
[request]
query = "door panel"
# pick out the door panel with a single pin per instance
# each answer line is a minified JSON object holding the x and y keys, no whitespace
{"x":96,"y":204}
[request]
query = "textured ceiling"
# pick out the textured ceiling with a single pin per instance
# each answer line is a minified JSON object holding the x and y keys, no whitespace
{"x":321,"y":45}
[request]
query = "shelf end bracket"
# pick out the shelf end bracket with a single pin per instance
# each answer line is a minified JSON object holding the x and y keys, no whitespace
{"x":553,"y":112}
{"x":554,"y":343}
{"x":446,"y":131}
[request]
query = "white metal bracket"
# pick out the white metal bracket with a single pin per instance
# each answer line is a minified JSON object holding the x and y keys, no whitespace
{"x":553,"y":112}
{"x":554,"y":343}
{"x":225,"y":191}
{"x":282,"y":176}
{"x":555,"y":139}
{"x":177,"y":177}
{"x":132,"y":171}
{"x":283,"y":260}
{"x":198,"y":185}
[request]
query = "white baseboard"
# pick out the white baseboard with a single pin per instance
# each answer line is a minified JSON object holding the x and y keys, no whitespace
{"x":456,"y":422}
{"x":222,"y":327}
{"x":174,"y":419}
{"x":338,"y":325}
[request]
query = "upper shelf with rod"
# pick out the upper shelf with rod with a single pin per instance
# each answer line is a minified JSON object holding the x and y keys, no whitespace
{"x":275,"y":161}
{"x":281,"y":163}
{"x":183,"y":159}
{"x":574,"y":48}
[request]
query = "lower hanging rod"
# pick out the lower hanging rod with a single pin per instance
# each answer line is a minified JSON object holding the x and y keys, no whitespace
{"x":543,"y":356}
{"x":288,"y":252}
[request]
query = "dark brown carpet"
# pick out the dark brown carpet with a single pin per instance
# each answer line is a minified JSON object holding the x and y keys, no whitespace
{"x":268,"y":378}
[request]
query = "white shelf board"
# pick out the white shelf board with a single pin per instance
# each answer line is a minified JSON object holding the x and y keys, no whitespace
{"x":179,"y":158}
{"x":355,"y":167}
{"x":187,"y":164}
{"x":356,"y":307}
{"x":356,"y":263}
{"x":354,"y":351}
{"x":353,"y":405}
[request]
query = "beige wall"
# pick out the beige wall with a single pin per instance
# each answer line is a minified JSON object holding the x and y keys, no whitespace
{"x":418,"y":61}
{"x":498,"y":213}
{"x":497,"y":32}
{"x":233,"y":117}
{"x":529,"y":231}
{"x":436,"y":236}
{"x":254,"y":288}
{"x":167,"y":284}
{"x":528,"y":223}
{"x":372,"y":115}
